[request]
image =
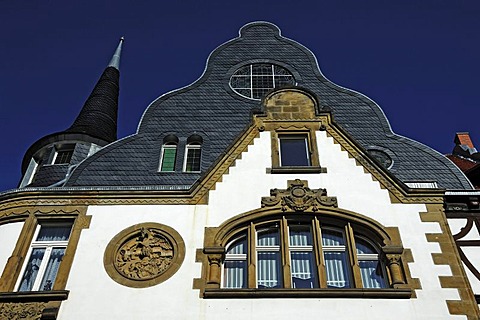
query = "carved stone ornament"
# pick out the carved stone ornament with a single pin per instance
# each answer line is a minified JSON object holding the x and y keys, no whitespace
{"x":299,"y":197}
{"x":20,"y":311}
{"x":144,"y":255}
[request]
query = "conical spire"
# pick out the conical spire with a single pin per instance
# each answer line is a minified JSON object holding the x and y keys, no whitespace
{"x":98,"y":117}
{"x":96,"y":124}
{"x":115,"y":62}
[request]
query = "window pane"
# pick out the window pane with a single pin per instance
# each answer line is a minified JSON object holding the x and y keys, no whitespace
{"x":284,"y":81}
{"x":293,"y":151}
{"x":240,"y":82}
{"x":262,"y":82}
{"x":169,"y":155}
{"x":300,"y":236}
{"x":302,"y":270}
{"x":52,"y":268}
{"x":193,"y":159}
{"x":259,"y":93}
{"x":363,"y":247}
{"x":336,"y":267}
{"x":262,"y":69}
{"x":235,"y":274}
{"x":372,"y":275}
{"x":332,"y":238}
{"x":268,"y":237}
{"x":31,"y":270}
{"x":268,"y":273}
{"x":238,"y":247}
{"x":63,"y":156}
{"x":54,"y":233}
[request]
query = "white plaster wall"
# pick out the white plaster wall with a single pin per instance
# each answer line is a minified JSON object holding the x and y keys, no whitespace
{"x":8,"y":238}
{"x":95,"y":296}
{"x":472,"y":253}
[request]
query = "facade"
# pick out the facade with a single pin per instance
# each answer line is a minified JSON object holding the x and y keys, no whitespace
{"x":260,"y":190}
{"x":463,"y":210}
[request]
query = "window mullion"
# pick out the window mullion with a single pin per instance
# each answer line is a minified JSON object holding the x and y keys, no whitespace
{"x":322,"y":274}
{"x":285,"y":252}
{"x":252,"y":257}
{"x":352,"y":253}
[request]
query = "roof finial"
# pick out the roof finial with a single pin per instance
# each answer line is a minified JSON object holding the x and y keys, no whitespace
{"x":115,"y":62}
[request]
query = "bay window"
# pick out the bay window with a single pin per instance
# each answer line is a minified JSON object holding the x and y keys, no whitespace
{"x":303,"y":254}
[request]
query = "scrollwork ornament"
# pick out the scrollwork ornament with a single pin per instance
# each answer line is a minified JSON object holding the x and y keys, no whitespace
{"x":299,"y":197}
{"x":21,"y":311}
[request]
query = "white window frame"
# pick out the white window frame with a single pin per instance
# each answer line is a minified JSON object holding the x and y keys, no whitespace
{"x":235,"y":257}
{"x":48,"y":246}
{"x":168,"y":145}
{"x":191,"y":146}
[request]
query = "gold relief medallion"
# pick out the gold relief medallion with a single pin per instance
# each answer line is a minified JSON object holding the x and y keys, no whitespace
{"x":144,"y":255}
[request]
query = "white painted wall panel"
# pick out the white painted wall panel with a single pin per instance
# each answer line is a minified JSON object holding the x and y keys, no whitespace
{"x":9,"y":234}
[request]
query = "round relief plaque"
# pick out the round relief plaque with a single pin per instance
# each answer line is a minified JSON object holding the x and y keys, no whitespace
{"x":144,"y":255}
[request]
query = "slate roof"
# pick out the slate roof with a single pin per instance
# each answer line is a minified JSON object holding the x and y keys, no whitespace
{"x":210,"y":108}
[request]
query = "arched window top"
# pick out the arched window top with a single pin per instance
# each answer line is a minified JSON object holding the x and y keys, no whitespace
{"x":193,"y":154}
{"x":299,"y":239}
{"x":170,"y":139}
{"x":300,"y":251}
{"x":195,"y":139}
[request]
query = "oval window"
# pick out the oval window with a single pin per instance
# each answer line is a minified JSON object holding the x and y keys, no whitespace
{"x":253,"y":81}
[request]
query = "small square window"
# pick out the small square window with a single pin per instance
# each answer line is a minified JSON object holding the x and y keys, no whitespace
{"x":294,"y":151}
{"x":63,"y":154}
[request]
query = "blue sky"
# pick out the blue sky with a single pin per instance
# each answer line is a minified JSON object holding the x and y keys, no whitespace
{"x":419,"y":60}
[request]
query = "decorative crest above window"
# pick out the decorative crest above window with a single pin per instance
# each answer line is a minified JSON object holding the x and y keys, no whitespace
{"x":299,"y":197}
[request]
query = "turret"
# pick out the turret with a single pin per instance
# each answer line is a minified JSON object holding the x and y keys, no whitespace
{"x":49,"y":161}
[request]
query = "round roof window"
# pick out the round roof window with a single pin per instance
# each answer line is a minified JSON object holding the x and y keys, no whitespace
{"x":382,"y":157}
{"x":253,"y":81}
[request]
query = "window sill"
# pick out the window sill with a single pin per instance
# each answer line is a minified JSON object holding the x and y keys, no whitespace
{"x":389,"y":293}
{"x":306,"y":169}
{"x":34,"y":296}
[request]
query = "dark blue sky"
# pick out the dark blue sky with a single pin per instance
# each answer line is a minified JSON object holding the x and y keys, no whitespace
{"x":419,"y":60}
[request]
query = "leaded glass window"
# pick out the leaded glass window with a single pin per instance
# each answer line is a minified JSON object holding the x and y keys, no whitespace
{"x":253,"y":81}
{"x":193,"y":157}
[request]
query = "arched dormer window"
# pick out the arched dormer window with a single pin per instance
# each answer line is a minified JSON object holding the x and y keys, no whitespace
{"x":193,"y":154}
{"x":169,"y":154}
{"x":299,"y":244}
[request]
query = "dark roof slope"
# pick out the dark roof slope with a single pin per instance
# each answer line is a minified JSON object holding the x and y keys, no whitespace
{"x":211,"y":109}
{"x":98,"y":117}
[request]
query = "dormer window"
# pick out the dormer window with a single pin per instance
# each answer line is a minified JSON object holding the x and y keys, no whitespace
{"x":253,"y":81}
{"x":63,"y":154}
{"x":169,"y":154}
{"x":193,"y":154}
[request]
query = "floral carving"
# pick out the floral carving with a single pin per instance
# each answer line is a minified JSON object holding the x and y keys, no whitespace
{"x":20,"y":311}
{"x":299,"y":197}
{"x":145,"y":255}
